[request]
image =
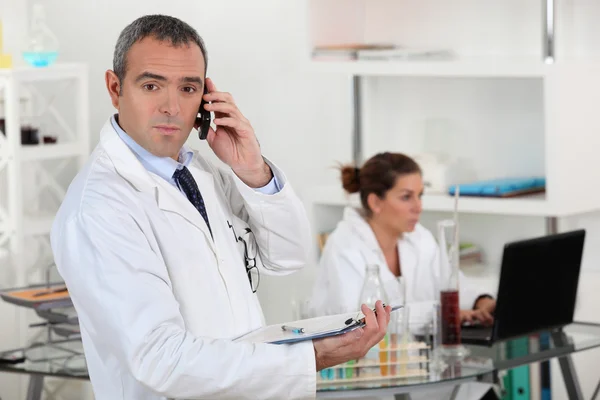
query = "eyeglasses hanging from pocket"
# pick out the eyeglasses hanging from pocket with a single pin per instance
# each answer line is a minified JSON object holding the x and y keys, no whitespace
{"x":250,"y":250}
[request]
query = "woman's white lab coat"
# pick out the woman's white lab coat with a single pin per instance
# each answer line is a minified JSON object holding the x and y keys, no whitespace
{"x":158,"y":298}
{"x":352,"y":245}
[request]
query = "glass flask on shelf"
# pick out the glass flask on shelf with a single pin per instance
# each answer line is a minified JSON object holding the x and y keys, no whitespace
{"x":42,"y":48}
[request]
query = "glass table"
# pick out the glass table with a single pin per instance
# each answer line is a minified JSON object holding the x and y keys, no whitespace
{"x":59,"y":359}
{"x":483,"y":365}
{"x":472,"y":368}
{"x":64,"y":360}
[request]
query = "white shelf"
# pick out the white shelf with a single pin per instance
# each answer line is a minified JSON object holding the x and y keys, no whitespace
{"x":534,"y":205}
{"x":38,"y":225}
{"x":50,"y":151}
{"x":476,"y":67}
{"x":54,"y":72}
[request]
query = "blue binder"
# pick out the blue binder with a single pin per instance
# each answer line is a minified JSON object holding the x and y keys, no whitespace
{"x":504,"y":187}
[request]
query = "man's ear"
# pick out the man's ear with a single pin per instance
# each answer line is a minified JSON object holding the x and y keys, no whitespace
{"x":114,"y":87}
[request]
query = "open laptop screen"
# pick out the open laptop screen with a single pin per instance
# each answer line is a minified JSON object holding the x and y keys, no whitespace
{"x":538,"y":284}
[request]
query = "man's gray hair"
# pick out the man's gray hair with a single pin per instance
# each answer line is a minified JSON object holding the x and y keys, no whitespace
{"x":160,"y":27}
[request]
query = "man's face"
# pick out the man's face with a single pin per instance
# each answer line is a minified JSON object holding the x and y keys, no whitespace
{"x":160,"y":95}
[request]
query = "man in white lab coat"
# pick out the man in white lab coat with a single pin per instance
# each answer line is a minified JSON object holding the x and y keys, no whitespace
{"x":158,"y":247}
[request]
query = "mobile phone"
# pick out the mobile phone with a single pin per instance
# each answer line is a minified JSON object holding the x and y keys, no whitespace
{"x":203,"y":118}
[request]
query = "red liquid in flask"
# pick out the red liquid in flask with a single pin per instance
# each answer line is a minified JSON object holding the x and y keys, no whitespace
{"x":450,"y":317}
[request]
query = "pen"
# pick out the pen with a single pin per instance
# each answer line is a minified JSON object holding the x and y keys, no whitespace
{"x":292,"y":329}
{"x":362,"y":320}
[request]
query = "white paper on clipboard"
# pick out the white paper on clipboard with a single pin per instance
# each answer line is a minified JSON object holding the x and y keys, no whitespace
{"x":314,"y":328}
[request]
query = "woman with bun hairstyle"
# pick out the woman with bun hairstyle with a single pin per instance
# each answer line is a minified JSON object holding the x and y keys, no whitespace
{"x":386,"y":231}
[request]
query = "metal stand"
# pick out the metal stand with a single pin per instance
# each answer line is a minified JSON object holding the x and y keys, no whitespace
{"x":548,"y":15}
{"x":455,"y":391}
{"x":357,"y":121}
{"x":551,"y":228}
{"x":596,"y":391}
{"x":36,"y":385}
{"x":567,"y":368}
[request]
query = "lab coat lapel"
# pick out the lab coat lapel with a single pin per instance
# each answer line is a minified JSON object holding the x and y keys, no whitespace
{"x":168,"y":197}
{"x":126,"y":163}
{"x":364,"y":231}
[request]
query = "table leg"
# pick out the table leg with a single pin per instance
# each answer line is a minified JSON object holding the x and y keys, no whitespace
{"x":596,"y":391}
{"x":455,"y":391}
{"x":36,"y":385}
{"x":567,"y":368}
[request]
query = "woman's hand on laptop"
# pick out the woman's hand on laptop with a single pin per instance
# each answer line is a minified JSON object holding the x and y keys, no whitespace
{"x":473,"y":316}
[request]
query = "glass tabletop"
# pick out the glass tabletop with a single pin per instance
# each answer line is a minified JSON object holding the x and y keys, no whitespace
{"x":482,"y":361}
{"x":65,"y":359}
{"x":62,"y":358}
{"x":340,"y":385}
{"x":576,"y":337}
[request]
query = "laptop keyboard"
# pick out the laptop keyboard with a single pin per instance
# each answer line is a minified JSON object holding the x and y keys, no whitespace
{"x":476,"y":333}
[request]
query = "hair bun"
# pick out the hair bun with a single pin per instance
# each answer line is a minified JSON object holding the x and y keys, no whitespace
{"x":351,"y":179}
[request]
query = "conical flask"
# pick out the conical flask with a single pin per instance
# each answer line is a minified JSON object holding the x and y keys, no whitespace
{"x":42,"y":49}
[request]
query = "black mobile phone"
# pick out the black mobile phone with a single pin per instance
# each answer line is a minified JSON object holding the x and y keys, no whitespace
{"x":203,"y":120}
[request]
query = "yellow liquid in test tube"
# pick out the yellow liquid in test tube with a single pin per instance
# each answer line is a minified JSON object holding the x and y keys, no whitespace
{"x":383,"y":355}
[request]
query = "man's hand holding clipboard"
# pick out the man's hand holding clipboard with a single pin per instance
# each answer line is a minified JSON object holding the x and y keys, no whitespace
{"x":355,"y":344}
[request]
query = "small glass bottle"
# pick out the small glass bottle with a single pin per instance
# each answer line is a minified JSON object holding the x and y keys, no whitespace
{"x":371,"y":292}
{"x":42,"y":49}
{"x":372,"y":289}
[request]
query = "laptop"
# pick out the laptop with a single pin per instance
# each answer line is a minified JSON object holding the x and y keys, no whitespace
{"x":537,"y":289}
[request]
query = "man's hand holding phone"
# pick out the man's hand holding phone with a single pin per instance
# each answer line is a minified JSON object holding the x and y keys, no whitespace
{"x":234,"y":141}
{"x":355,"y":344}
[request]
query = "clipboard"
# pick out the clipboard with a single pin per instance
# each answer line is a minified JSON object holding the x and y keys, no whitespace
{"x":307,"y":329}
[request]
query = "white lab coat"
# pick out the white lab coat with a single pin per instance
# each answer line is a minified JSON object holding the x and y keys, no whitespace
{"x":342,"y":269}
{"x":158,"y":300}
{"x":352,"y":245}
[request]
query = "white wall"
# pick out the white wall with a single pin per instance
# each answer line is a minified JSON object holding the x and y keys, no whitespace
{"x":13,"y":15}
{"x":257,"y":52}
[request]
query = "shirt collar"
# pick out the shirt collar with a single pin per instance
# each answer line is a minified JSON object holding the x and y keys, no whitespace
{"x":161,"y":166}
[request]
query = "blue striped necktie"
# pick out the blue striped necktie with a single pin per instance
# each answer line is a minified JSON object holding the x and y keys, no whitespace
{"x":186,"y":182}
